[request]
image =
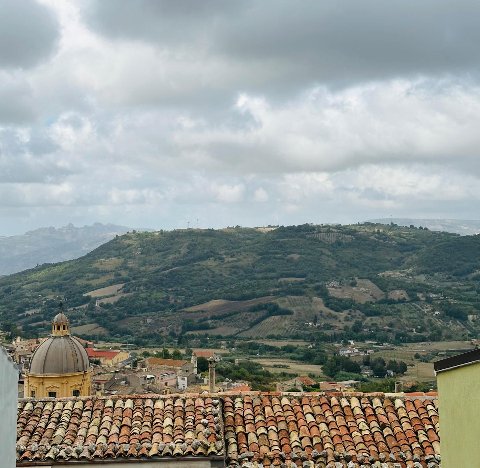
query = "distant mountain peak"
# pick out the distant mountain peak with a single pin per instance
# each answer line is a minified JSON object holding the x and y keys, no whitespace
{"x":51,"y":244}
{"x":464,"y":227}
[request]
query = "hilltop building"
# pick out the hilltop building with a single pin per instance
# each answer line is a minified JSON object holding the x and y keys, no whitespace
{"x":59,"y":366}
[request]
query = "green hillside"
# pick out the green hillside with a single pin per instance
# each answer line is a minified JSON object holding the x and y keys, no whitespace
{"x":366,"y":281}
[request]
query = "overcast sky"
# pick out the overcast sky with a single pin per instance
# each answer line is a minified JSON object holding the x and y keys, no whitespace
{"x":160,"y":113}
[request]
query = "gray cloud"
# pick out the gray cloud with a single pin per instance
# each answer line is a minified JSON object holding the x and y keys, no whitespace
{"x":28,"y":33}
{"x":282,"y":44}
{"x":16,"y":101}
{"x":25,"y":157}
{"x":165,"y":22}
{"x":251,"y":112}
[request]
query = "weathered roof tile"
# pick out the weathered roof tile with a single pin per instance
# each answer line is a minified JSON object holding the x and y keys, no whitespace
{"x":344,"y":431}
{"x":330,"y":431}
{"x":97,"y":428}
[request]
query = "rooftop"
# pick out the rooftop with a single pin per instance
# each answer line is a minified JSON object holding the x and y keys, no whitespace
{"x":349,"y":429}
{"x":206,"y":353}
{"x":101,"y":353}
{"x":153,"y":361}
{"x":458,"y":360}
{"x":147,"y":426}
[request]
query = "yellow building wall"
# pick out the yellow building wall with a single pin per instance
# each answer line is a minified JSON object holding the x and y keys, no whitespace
{"x":459,"y":410}
{"x":63,"y":385}
{"x":120,"y":357}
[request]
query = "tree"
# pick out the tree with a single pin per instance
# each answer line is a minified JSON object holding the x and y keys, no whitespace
{"x":392,"y":366}
{"x":378,"y":367}
{"x":336,"y":364}
{"x":402,"y":367}
{"x":202,"y":364}
{"x":176,"y":354}
{"x":357,"y":326}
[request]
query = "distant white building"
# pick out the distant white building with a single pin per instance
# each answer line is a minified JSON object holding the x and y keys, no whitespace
{"x":182,"y":382}
{"x":8,"y":409}
{"x":349,"y":352}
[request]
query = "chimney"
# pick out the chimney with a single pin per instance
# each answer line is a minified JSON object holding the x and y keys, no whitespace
{"x":398,"y":386}
{"x":212,"y":362}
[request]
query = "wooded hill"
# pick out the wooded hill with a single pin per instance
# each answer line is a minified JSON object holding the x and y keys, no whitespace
{"x":366,"y":281}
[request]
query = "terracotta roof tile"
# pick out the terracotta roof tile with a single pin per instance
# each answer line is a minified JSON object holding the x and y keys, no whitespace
{"x":93,"y":353}
{"x":121,"y":427}
{"x":350,"y":430}
{"x":206,"y":353}
{"x":308,"y":430}
{"x":160,"y":362}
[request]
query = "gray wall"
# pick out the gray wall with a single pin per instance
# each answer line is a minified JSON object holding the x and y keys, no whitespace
{"x":8,"y":410}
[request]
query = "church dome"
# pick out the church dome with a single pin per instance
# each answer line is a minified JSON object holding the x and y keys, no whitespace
{"x":60,"y":318}
{"x":59,"y":355}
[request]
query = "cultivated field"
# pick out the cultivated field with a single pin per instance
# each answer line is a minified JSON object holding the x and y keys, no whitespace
{"x":419,"y":370}
{"x":221,"y":306}
{"x":363,"y":291}
{"x":284,"y":365}
{"x":113,"y":299}
{"x":280,"y":343}
{"x":108,"y":264}
{"x":89,"y":329}
{"x":107,"y":291}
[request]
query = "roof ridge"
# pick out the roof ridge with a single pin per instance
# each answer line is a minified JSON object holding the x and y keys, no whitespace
{"x":146,"y":396}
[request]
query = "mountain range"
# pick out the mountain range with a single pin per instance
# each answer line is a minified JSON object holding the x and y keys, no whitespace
{"x":50,"y":245}
{"x":463,"y":227}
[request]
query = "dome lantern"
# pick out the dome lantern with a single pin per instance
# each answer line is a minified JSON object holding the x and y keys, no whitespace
{"x":60,"y":325}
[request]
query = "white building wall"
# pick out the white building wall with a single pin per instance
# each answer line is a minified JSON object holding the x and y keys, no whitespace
{"x":8,"y":409}
{"x":182,"y":382}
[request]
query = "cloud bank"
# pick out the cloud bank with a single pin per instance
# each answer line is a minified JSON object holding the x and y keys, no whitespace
{"x":160,"y":114}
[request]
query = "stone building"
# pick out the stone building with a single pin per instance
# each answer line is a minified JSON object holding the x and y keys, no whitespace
{"x":200,"y":353}
{"x":59,"y":366}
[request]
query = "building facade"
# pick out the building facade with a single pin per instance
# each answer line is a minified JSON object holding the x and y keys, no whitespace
{"x":458,"y":380}
{"x":107,"y":357}
{"x":59,"y":366}
{"x":8,"y":409}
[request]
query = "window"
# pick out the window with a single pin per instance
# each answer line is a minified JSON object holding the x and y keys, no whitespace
{"x":52,"y":394}
{"x":76,"y":393}
{"x":32,"y":393}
